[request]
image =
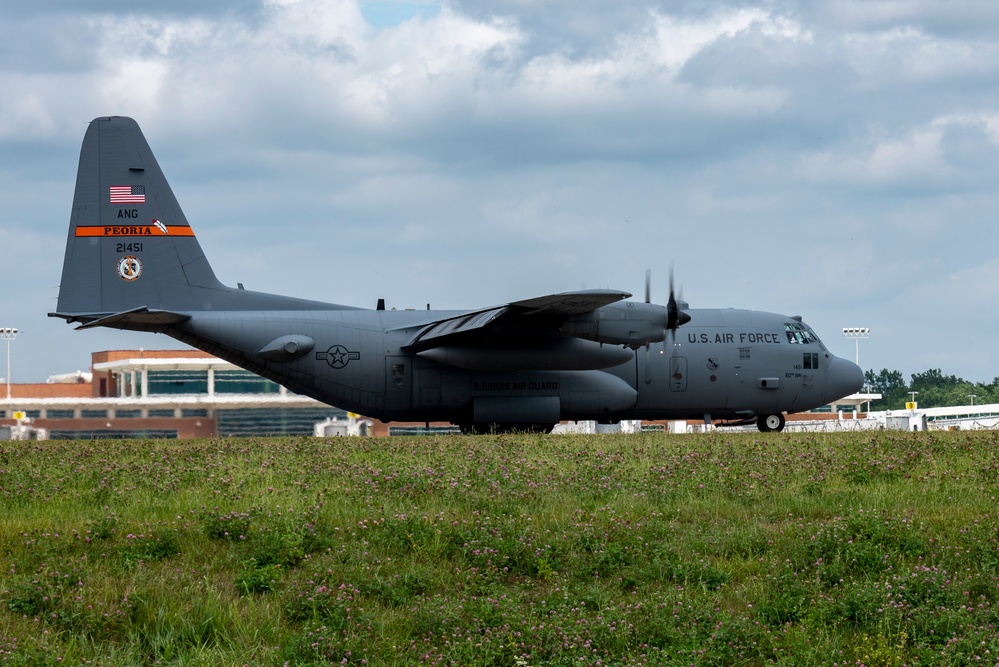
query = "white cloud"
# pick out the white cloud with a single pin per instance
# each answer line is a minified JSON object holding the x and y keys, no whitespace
{"x":323,"y":60}
{"x":952,"y":17}
{"x":677,"y":40}
{"x":918,"y":158}
{"x":901,"y":54}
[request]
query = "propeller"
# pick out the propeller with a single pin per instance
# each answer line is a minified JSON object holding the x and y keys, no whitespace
{"x":675,"y":318}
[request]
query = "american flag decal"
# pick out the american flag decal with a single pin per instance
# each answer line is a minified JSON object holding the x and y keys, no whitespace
{"x":128,"y":194}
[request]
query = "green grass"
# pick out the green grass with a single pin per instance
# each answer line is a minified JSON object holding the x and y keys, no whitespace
{"x":723,"y":549}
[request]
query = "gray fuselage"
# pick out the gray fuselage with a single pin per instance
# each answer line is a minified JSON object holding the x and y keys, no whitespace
{"x":723,"y":364}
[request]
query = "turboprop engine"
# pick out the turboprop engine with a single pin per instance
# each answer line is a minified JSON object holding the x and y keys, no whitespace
{"x":626,"y":323}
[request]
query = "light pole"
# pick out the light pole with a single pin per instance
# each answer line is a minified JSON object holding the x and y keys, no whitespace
{"x":8,"y":334}
{"x":856,"y":333}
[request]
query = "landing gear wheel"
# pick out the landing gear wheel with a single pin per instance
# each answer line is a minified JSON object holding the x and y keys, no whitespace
{"x":768,"y":423}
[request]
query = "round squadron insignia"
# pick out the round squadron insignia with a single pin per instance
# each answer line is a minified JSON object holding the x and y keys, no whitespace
{"x":129,"y":268}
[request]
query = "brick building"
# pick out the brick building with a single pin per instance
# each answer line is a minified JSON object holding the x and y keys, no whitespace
{"x":163,"y":394}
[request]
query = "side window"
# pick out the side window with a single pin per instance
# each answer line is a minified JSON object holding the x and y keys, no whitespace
{"x":811,"y":360}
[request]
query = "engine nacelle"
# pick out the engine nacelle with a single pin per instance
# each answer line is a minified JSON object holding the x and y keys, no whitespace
{"x":562,"y":354}
{"x":626,"y":323}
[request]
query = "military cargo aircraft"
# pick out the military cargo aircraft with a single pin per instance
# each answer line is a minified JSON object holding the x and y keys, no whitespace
{"x":133,"y":262}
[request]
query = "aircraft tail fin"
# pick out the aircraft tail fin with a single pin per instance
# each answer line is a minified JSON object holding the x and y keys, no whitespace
{"x":130,"y":249}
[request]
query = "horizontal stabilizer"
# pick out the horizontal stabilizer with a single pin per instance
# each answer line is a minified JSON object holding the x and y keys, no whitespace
{"x":141,"y":318}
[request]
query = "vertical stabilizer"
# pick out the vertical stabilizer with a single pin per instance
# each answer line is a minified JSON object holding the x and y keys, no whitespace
{"x":130,"y":246}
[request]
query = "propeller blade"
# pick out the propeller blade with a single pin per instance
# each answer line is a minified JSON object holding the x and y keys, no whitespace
{"x":675,"y":318}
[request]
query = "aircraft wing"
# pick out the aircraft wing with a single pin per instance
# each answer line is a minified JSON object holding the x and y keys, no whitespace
{"x":538,"y":316}
{"x":568,"y":303}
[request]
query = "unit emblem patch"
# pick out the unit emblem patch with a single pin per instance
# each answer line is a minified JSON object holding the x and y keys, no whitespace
{"x":129,"y":268}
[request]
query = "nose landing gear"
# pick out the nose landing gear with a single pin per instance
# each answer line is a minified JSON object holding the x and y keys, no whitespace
{"x":768,"y":423}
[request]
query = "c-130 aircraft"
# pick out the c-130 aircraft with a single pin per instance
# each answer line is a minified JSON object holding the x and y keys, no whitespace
{"x":133,"y":262}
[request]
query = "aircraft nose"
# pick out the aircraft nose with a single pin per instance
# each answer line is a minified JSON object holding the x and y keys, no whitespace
{"x":844,"y":378}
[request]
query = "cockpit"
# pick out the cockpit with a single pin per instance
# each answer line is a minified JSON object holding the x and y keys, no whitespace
{"x":800,"y":333}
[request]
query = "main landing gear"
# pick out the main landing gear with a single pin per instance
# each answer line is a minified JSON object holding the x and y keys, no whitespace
{"x":768,"y":423}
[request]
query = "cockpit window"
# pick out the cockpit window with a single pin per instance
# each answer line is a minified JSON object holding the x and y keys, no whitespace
{"x":799,"y":333}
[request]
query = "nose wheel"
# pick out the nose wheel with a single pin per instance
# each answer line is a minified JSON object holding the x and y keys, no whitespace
{"x":768,"y":423}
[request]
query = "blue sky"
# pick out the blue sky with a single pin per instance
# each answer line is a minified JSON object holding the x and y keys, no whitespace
{"x":837,"y":160}
{"x":390,"y":13}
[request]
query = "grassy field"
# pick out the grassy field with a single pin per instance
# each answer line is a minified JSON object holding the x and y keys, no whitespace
{"x":722,"y":549}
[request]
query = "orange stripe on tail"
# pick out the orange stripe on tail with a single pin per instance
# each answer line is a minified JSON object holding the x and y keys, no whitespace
{"x":134,"y":230}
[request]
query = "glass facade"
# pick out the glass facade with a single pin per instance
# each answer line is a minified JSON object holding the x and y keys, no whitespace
{"x":274,"y":421}
{"x":243,"y":382}
{"x":112,"y":434}
{"x":177,"y":382}
{"x":169,"y":382}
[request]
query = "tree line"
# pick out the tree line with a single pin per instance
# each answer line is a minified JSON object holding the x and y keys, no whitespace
{"x":934,"y":390}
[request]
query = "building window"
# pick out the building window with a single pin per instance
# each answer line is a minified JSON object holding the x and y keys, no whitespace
{"x":59,"y":414}
{"x":127,"y":414}
{"x":112,"y":434}
{"x":194,"y":413}
{"x":32,"y":414}
{"x":273,"y":421}
{"x":177,"y":382}
{"x":243,"y":382}
{"x":93,"y":414}
{"x":161,"y":412}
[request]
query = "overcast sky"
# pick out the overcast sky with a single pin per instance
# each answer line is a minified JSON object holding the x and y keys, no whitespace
{"x":837,"y":160}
